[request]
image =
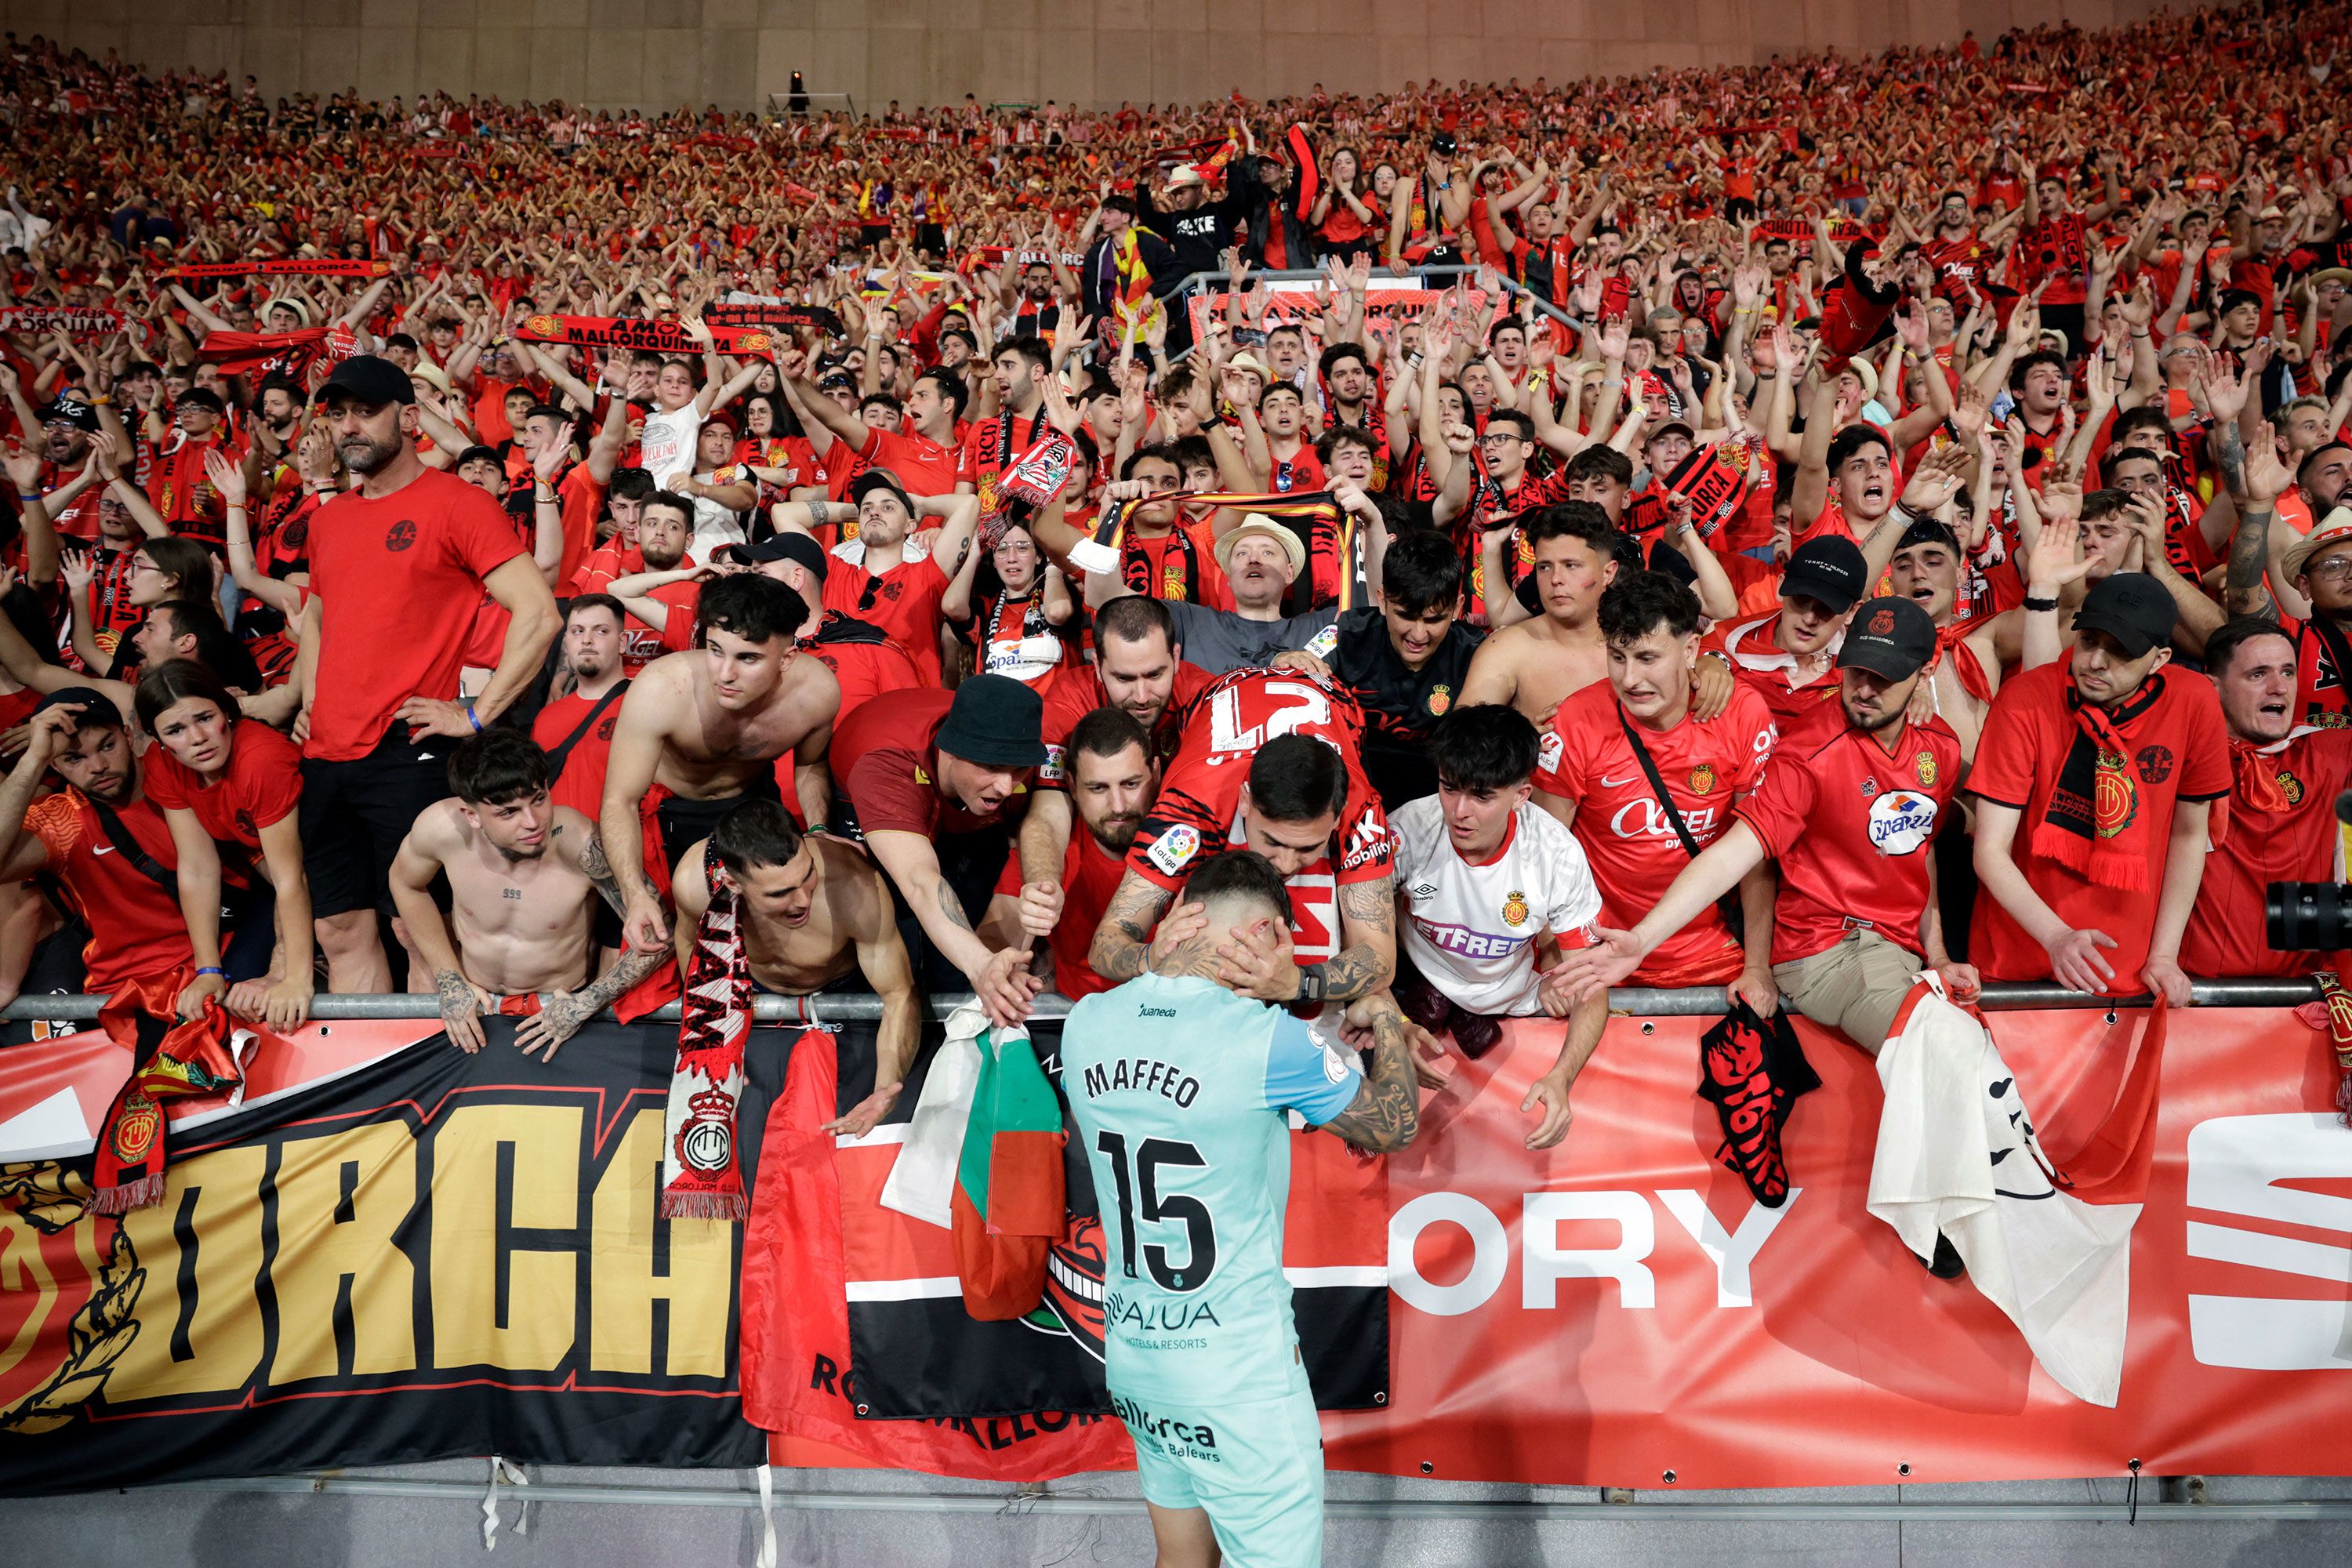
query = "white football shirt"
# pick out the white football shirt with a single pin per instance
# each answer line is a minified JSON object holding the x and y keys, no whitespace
{"x":1471,"y":930}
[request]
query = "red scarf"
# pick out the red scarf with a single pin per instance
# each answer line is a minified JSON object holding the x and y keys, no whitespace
{"x":2094,"y":824}
{"x":1952,"y":642}
{"x":701,"y":1176}
{"x":191,"y":1058}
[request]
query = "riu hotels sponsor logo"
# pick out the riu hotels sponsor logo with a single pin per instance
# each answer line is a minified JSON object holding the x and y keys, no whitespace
{"x":506,"y":1239}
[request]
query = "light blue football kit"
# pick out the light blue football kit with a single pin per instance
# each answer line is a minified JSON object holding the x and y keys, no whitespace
{"x":1179,"y":1088}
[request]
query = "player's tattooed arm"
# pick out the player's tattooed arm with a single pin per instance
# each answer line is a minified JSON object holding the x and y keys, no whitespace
{"x":952,"y":906}
{"x":599,"y":872}
{"x":1123,"y":944}
{"x":1386,"y":1112}
{"x":1368,"y":927}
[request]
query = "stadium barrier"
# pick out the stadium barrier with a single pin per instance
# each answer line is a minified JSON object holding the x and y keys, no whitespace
{"x":384,"y":1255}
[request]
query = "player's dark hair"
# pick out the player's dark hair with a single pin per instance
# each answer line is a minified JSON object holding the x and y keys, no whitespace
{"x":1029,"y":347}
{"x":496,"y":767}
{"x":951,"y":388}
{"x":675,"y":501}
{"x":1852,"y":439}
{"x":1337,"y":354}
{"x":749,"y":605}
{"x":1599,"y":463}
{"x":760,"y":832}
{"x":2131,"y":421}
{"x":2114,"y":455}
{"x":1340,"y":435}
{"x":881,"y":400}
{"x":1516,"y":420}
{"x":1571,"y":520}
{"x":596,"y":602}
{"x":1108,"y":732}
{"x":1295,"y":778}
{"x":2222,"y":647}
{"x":548,"y":411}
{"x":2025,"y":363}
{"x":1635,"y":604}
{"x":2103,"y":504}
{"x":1422,"y":572}
{"x":1491,"y":746}
{"x":1239,"y":874}
{"x":1135,"y":618}
{"x":174,"y":681}
{"x":1511,"y":322}
{"x":631,"y":484}
{"x":1281,"y":387}
{"x":1163,"y":450}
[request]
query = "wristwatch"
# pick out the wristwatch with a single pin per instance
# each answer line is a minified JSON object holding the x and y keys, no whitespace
{"x":1311,"y":983}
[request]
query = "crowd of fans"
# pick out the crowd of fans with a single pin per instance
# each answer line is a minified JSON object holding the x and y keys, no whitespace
{"x":1815,"y":522}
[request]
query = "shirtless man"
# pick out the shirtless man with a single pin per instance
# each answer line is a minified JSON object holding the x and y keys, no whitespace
{"x":701,"y":729}
{"x":1536,"y":664}
{"x":813,"y":910}
{"x":524,"y":875}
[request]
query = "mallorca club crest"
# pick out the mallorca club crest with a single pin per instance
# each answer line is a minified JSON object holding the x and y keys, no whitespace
{"x":1073,"y":1284}
{"x":707,"y":1142}
{"x":135,"y":1129}
{"x":1702,"y":779}
{"x":2115,"y":798}
{"x":1441,"y":698}
{"x":1883,"y":624}
{"x":1922,"y":764}
{"x":1515,"y":910}
{"x":545,"y":326}
{"x":2292,"y":786}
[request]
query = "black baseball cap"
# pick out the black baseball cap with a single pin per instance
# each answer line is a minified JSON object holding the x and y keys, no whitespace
{"x":795,"y":547}
{"x":1929,"y":530}
{"x":477,"y":454}
{"x":1830,"y":569}
{"x":2131,"y":607}
{"x":996,"y":722}
{"x":71,"y":411}
{"x":97,"y":709}
{"x":1893,"y":637}
{"x":368,"y":378}
{"x":874,"y":479}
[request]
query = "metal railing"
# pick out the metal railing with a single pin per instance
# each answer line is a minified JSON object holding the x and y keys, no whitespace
{"x":1639,"y":1002}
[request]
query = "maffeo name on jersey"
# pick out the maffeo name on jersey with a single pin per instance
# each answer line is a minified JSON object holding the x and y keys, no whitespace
{"x":1146,"y":1074}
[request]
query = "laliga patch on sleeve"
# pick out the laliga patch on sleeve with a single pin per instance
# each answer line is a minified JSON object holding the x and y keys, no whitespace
{"x":1172,"y":848}
{"x":1321,"y":644}
{"x":1547,"y":757}
{"x":1051,"y":772}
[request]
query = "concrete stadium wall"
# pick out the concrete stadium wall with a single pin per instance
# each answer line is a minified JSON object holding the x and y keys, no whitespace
{"x":661,"y":53}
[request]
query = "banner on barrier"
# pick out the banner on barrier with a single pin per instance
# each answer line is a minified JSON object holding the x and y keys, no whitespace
{"x":1388,"y":303}
{"x":390,"y":1254}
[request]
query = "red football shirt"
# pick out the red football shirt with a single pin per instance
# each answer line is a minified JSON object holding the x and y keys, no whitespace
{"x":135,"y":928}
{"x":904,"y":601}
{"x":581,"y":783}
{"x":2302,"y":844}
{"x":1633,"y":849}
{"x":1090,"y":874}
{"x":1199,"y":809}
{"x":401,"y":579}
{"x":884,"y":762}
{"x":1077,"y":690}
{"x":923,"y":466}
{"x":262,"y":786}
{"x":2179,"y":752}
{"x":1767,"y":670}
{"x":865,"y":669}
{"x":1850,"y":818}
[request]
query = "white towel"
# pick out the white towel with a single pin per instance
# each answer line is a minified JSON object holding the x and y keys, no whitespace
{"x":923,"y":1177}
{"x":1957,"y":1155}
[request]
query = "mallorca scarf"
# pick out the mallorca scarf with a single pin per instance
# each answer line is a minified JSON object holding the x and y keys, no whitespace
{"x":194,"y":1058}
{"x":1335,"y":574}
{"x":2094,"y":825}
{"x":701,"y":1178}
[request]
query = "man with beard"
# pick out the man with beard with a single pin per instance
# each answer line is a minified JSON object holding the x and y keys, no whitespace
{"x":661,"y":596}
{"x":2095,"y":779}
{"x":575,"y":730}
{"x":79,"y":836}
{"x":878,"y":577}
{"x":398,"y":570}
{"x":993,"y":445}
{"x":1138,"y":670}
{"x":2283,"y":826}
{"x":524,"y":877}
{"x":177,"y":482}
{"x":1035,"y":312}
{"x":700,"y":730}
{"x":1261,"y":559}
{"x":814,"y":912}
{"x":1848,"y":808}
{"x":1113,"y":780}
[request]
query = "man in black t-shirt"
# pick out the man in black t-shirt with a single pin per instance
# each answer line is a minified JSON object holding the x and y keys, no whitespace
{"x":1406,"y":661}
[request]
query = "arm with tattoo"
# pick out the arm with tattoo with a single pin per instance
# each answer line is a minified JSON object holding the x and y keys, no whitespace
{"x":1123,"y":941}
{"x":1368,"y":926}
{"x":1386,"y":1112}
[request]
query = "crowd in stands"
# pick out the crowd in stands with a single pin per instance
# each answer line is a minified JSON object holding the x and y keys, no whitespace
{"x":1804,"y":524}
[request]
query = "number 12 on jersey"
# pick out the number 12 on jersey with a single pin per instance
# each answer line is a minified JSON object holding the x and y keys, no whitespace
{"x":1139,"y":1197}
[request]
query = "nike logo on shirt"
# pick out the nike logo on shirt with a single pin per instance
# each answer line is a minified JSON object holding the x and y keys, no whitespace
{"x":1615,"y":783}
{"x":101,"y":849}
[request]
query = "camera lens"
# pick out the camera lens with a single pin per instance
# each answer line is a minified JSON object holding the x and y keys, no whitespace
{"x":2307,"y":917}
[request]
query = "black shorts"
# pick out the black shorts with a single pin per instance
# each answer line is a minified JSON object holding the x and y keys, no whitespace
{"x":355,"y":814}
{"x":685,"y":823}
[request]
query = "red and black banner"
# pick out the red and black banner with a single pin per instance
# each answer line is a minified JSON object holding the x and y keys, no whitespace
{"x":628,"y":332}
{"x":77,"y":322}
{"x":280,"y":266}
{"x":772,"y":313}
